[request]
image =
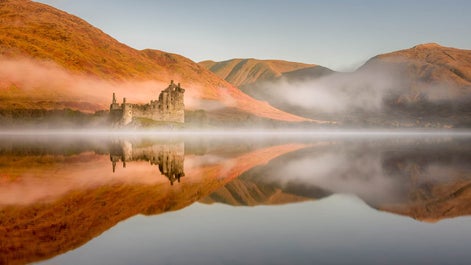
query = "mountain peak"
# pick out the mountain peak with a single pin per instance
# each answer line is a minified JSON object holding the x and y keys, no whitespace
{"x":427,"y":45}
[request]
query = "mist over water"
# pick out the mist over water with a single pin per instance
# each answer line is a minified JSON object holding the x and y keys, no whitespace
{"x":374,"y":166}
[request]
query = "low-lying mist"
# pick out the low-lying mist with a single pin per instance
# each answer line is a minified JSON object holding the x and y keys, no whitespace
{"x":42,"y":93}
{"x":44,"y":80}
{"x":367,"y":89}
{"x":339,"y":92}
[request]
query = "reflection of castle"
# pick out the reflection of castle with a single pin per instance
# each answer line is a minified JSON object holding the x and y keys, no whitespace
{"x":168,"y":108}
{"x":168,"y":157}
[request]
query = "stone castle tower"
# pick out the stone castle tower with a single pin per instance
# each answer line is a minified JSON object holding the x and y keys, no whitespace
{"x":170,"y":107}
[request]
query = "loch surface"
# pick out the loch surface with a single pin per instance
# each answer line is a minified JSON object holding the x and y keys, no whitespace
{"x":235,"y":199}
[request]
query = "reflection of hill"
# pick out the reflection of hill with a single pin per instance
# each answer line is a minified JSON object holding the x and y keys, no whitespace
{"x":433,"y":203}
{"x":439,"y":181}
{"x":254,"y":188}
{"x":51,"y":203}
{"x":248,"y":193}
{"x":93,"y":199}
{"x":427,"y":181}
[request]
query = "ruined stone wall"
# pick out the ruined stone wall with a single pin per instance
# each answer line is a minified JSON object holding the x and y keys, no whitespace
{"x":152,"y":111}
{"x":127,"y":114}
{"x":169,"y":107}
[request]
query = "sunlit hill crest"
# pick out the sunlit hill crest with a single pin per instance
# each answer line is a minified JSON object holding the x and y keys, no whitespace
{"x":66,"y":62}
{"x":243,"y":72}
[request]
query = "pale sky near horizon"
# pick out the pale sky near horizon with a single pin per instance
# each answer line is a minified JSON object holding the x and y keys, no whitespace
{"x":338,"y":34}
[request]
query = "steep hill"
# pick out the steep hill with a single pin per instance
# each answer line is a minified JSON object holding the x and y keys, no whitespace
{"x":243,"y":72}
{"x":431,"y":70}
{"x":52,"y":59}
{"x":435,"y":86}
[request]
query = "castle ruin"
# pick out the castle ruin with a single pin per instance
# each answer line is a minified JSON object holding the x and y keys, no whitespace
{"x":169,"y":107}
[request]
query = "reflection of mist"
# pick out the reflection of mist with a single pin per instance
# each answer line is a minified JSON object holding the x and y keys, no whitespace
{"x":377,"y":170}
{"x":340,"y":170}
{"x":381,"y":172}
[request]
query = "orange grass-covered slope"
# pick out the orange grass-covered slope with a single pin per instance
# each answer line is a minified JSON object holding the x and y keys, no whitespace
{"x":49,"y":56}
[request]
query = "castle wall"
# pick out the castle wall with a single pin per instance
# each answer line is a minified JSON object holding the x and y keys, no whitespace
{"x":154,"y":113}
{"x":168,"y":108}
{"x":128,"y":113}
{"x":116,"y":111}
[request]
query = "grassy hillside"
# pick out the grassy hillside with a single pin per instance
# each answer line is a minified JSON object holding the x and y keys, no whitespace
{"x":432,"y":71}
{"x":53,"y":59}
{"x":241,"y":72}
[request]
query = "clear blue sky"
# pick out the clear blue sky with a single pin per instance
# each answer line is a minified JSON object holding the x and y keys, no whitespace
{"x":339,"y":34}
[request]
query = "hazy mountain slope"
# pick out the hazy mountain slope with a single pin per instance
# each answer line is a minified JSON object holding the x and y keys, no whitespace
{"x":445,"y":62}
{"x":263,"y":89}
{"x":78,"y":63}
{"x":241,"y":72}
{"x":425,"y":86}
{"x":436,"y":72}
{"x":256,"y":78}
{"x":435,"y":86}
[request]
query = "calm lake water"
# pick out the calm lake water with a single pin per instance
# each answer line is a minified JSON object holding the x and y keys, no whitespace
{"x":225,"y":199}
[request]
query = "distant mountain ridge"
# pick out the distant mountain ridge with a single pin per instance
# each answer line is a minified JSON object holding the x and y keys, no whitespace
{"x":430,"y":64}
{"x":428,"y":85}
{"x":241,"y":72}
